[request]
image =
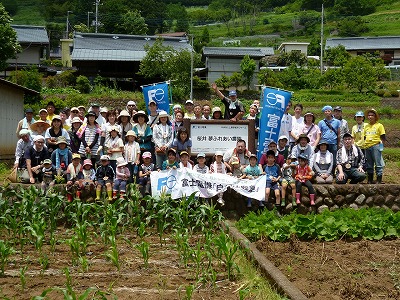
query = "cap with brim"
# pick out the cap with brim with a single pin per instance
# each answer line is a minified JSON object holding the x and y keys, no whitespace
{"x":177,"y":106}
{"x":215,"y":109}
{"x":201,"y":155}
{"x":76,"y":156}
{"x":56,"y":117}
{"x":140,"y":113}
{"x":76,"y":120}
{"x":302,"y":156}
{"x":104,"y":157}
{"x":146,"y":155}
{"x":29,"y":110}
{"x":81,"y":107}
{"x":130,"y":133}
{"x":90,"y":113}
{"x":303,"y":136}
{"x":74,"y":109}
{"x":326,"y":107}
{"x":189,"y":101}
{"x":232,"y":93}
{"x":322,"y":142}
{"x":95,"y":105}
{"x":219,"y":153}
{"x":114,"y":128}
{"x":38,"y":138}
{"x":283,"y":137}
{"x":253,"y":155}
{"x":47,"y":162}
{"x":372,"y":110}
{"x":87,"y":162}
{"x":272,"y":142}
{"x":184,"y":153}
{"x":133,"y":103}
{"x":346,"y":135}
{"x":61,"y":140}
{"x":163,"y":114}
{"x":359,"y":114}
{"x":171,"y":150}
{"x":103,"y":110}
{"x":152,"y":101}
{"x":43,"y":110}
{"x":309,"y":114}
{"x":24,"y":131}
{"x":338,"y":108}
{"x":121,"y":162}
{"x":34,"y":126}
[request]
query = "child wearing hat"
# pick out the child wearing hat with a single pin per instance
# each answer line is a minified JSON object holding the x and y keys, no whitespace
{"x":132,"y":154}
{"x":114,"y":146}
{"x":61,"y":157}
{"x":144,"y":172}
{"x":104,"y":177}
{"x":273,"y":172}
{"x":88,"y":176}
{"x":288,"y":170}
{"x":323,"y":163}
{"x":184,"y":157}
{"x":49,"y":173}
{"x":74,"y":173}
{"x":218,"y":166}
{"x":303,"y":147}
{"x":122,"y":176}
{"x":201,"y":166}
{"x":303,"y":176}
{"x":234,"y":163}
{"x":252,"y":171}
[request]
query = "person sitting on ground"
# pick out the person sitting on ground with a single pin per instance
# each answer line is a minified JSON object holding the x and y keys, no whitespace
{"x":74,"y":174}
{"x":121,"y":178}
{"x":323,"y":163}
{"x":104,"y":177}
{"x":49,"y":173}
{"x":61,"y":157}
{"x":86,"y":183}
{"x":303,"y":176}
{"x":350,"y":160}
{"x":144,"y":172}
{"x":34,"y":157}
{"x":234,"y":109}
{"x":273,"y":174}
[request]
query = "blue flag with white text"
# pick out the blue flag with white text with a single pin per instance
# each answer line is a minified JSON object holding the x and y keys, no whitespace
{"x":159,"y":93}
{"x":274,"y":105}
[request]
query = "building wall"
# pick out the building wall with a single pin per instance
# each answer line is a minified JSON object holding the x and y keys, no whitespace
{"x":296,"y":47}
{"x":228,"y":66}
{"x":66,"y":50}
{"x":12,"y":111}
{"x":29,"y":55}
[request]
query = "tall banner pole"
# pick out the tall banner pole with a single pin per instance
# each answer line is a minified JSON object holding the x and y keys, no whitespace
{"x":274,"y":102}
{"x":159,"y":92}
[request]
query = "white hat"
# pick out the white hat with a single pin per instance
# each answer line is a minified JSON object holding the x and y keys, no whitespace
{"x":103,"y":109}
{"x":24,"y":132}
{"x":283,"y":137}
{"x":163,"y":114}
{"x":76,"y":120}
{"x":104,"y":157}
{"x":219,"y":153}
{"x":44,"y":110}
{"x":177,"y":106}
{"x":189,"y":101}
{"x":38,"y":137}
{"x":131,"y":103}
{"x":121,"y":162}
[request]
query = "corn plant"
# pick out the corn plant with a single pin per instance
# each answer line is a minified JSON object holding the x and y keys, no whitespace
{"x":5,"y":252}
{"x":227,"y":250}
{"x":182,"y":244}
{"x":44,"y":262}
{"x":83,"y":234}
{"x":37,"y":230}
{"x":143,"y":247}
{"x":22,"y":278}
{"x":113,"y":254}
{"x":75,"y":247}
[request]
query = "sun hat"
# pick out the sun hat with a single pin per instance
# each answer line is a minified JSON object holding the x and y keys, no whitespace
{"x":76,"y":120}
{"x":61,"y":140}
{"x":283,"y":137}
{"x":47,"y":161}
{"x":86,"y":162}
{"x":201,"y":154}
{"x":372,"y":110}
{"x":133,"y":103}
{"x":152,"y":101}
{"x":303,"y":136}
{"x":189,"y":102}
{"x":326,"y":107}
{"x":232,"y":93}
{"x":25,"y":131}
{"x":104,"y":157}
{"x":322,"y":142}
{"x":74,"y":109}
{"x":34,"y":126}
{"x":56,"y":117}
{"x":90,"y":113}
{"x":215,"y":109}
{"x":163,"y":114}
{"x":130,"y":133}
{"x":114,"y":128}
{"x":121,"y":162}
{"x":43,"y":110}
{"x":76,"y":156}
{"x":146,"y":154}
{"x":103,"y":109}
{"x":309,"y":113}
{"x":140,"y":113}
{"x":219,"y":153}
{"x":177,"y":106}
{"x":234,"y":160}
{"x":81,"y":107}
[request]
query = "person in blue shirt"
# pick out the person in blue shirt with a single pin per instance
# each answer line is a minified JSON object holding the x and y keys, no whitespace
{"x":273,"y":172}
{"x":330,"y":131}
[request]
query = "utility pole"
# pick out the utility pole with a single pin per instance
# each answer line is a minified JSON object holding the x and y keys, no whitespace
{"x":88,"y":20}
{"x":191,"y":66}
{"x":322,"y":42}
{"x":97,"y":14}
{"x":68,"y":12}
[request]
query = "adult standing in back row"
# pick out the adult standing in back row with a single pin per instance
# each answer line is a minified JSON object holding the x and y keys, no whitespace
{"x":234,"y":109}
{"x":330,"y":131}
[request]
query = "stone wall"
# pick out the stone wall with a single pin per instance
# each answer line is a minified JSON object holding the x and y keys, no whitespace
{"x":332,"y":197}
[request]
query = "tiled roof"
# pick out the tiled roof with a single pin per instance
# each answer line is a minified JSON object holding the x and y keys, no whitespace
{"x":31,"y":34}
{"x":91,"y":46}
{"x":365,"y":43}
{"x":238,"y":51}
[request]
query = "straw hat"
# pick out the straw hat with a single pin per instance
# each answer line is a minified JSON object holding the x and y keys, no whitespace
{"x":140,"y":113}
{"x":123,"y":113}
{"x":34,"y":126}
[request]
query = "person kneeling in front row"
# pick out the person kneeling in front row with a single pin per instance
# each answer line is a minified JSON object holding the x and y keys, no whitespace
{"x":350,"y":160}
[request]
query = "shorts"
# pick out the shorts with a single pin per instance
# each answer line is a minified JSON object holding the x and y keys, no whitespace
{"x":288,"y":181}
{"x":272,"y":185}
{"x":103,"y":182}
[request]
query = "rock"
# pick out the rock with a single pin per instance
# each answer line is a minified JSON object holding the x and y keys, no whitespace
{"x":333,"y":208}
{"x":350,"y":197}
{"x":397,"y":200}
{"x":395,"y":208}
{"x":379,"y":200}
{"x":385,"y":207}
{"x":332,"y":189}
{"x":360,"y":199}
{"x":322,"y":208}
{"x":363,"y":206}
{"x":389,"y":200}
{"x":370,"y":201}
{"x":329,"y":201}
{"x":319,"y":201}
{"x":322,"y":191}
{"x":353,"y":206}
{"x":339,"y":200}
{"x":305,"y":201}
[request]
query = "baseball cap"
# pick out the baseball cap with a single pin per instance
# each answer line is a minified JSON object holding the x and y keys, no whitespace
{"x":146,"y":154}
{"x":347,"y":135}
{"x":339,"y":108}
{"x":133,"y":103}
{"x":232,"y":93}
{"x":76,"y":156}
{"x":177,"y":106}
{"x":326,"y":107}
{"x":283,"y":137}
{"x":184,"y":153}
{"x":201,"y":155}
{"x":189,"y":101}
{"x":29,"y":110}
{"x":219,"y":153}
{"x":104,"y":157}
{"x":47,"y":162}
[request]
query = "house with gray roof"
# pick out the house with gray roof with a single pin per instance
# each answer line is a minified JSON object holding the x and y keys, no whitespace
{"x":387,"y":46}
{"x":116,"y":55}
{"x":35,"y":46}
{"x":226,"y":60}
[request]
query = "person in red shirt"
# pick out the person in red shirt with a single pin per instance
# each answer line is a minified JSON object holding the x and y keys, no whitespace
{"x":303,"y":176}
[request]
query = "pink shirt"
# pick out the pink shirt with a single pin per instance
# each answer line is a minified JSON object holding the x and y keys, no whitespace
{"x":313,"y":134}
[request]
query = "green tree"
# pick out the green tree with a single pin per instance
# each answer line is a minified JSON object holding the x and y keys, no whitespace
{"x":8,"y":39}
{"x":293,"y":57}
{"x":223,"y":82}
{"x":360,"y":73}
{"x":133,"y":23}
{"x":352,"y":26}
{"x":153,"y":64}
{"x":268,"y":77}
{"x":355,"y":7}
{"x":11,"y":6}
{"x":83,"y":84}
{"x":333,"y":77}
{"x":235,"y":80}
{"x":31,"y":79}
{"x":247,"y":67}
{"x":337,"y":56}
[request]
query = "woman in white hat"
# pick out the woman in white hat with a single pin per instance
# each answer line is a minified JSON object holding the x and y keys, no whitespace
{"x":111,"y":118}
{"x":114,"y":147}
{"x":54,"y":132}
{"x":124,"y":122}
{"x":75,"y":141}
{"x":89,"y":133}
{"x":132,"y":154}
{"x":163,"y":136}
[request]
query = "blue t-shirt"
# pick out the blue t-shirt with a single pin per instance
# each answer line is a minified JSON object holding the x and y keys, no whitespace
{"x":274,"y":171}
{"x":326,"y":133}
{"x":252,"y":171}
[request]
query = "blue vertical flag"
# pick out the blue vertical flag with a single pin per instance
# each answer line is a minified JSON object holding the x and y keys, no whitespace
{"x":274,"y":105}
{"x":158,"y":92}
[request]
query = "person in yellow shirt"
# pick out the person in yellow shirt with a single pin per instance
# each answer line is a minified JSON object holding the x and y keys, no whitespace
{"x":374,"y":136}
{"x":357,"y":130}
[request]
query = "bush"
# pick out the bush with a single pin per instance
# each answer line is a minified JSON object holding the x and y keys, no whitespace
{"x":380,"y":92}
{"x":387,"y":94}
{"x":394,"y":93}
{"x":83,"y":84}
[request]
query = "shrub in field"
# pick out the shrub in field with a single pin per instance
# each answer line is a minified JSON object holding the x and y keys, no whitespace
{"x":394,"y":93}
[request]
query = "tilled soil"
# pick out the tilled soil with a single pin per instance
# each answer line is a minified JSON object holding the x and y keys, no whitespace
{"x":340,"y":269}
{"x":165,"y":277}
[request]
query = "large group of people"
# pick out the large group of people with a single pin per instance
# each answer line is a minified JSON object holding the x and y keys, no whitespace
{"x":104,"y":147}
